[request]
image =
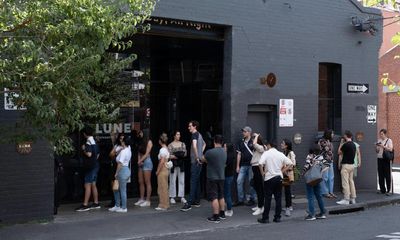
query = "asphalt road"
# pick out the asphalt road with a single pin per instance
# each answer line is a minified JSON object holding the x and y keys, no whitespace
{"x":378,"y":223}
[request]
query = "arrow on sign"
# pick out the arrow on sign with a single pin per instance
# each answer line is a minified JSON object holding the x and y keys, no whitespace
{"x":357,"y":88}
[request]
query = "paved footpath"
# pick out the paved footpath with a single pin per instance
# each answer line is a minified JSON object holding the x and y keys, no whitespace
{"x":143,"y":223}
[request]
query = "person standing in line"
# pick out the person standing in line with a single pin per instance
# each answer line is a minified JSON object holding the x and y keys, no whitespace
{"x":216,"y":160}
{"x":314,"y":190}
{"x":357,"y":159}
{"x":258,"y":180}
{"x":113,"y":155}
{"x":196,"y":153}
{"x":272,"y":164}
{"x":122,"y":174}
{"x":348,"y":152}
{"x":178,"y":152}
{"x":229,"y":172}
{"x":384,"y":174}
{"x":243,"y":167}
{"x":326,"y":147}
{"x":91,"y":168}
{"x":162,"y":174}
{"x":145,"y":168}
{"x":286,"y":146}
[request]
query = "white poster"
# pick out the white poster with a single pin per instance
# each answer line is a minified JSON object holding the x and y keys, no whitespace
{"x":286,"y":109}
{"x":8,"y":100}
{"x":371,"y":114}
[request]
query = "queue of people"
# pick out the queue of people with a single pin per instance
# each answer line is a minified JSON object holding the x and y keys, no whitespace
{"x":268,"y":170}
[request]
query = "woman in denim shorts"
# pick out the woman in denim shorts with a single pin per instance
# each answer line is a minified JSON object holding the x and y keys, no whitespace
{"x":145,"y":167}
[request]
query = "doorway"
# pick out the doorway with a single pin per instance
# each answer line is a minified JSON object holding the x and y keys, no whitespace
{"x":262,"y":119}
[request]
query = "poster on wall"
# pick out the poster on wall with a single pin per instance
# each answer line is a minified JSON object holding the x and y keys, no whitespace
{"x":286,"y":109}
{"x":371,"y":114}
{"x":8,"y":100}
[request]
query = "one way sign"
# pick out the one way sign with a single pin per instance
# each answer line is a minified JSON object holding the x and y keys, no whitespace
{"x":357,"y":88}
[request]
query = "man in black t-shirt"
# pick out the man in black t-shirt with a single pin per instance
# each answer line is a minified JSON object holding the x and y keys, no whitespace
{"x":348,"y":151}
{"x":243,"y":167}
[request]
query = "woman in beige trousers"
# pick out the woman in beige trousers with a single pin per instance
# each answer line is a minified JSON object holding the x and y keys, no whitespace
{"x":162,"y":174}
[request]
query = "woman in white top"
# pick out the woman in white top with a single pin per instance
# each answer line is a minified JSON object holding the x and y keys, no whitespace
{"x":122,"y":175}
{"x":177,"y":150}
{"x":384,"y":175}
{"x":162,"y":174}
{"x":286,"y":146}
{"x":258,"y":180}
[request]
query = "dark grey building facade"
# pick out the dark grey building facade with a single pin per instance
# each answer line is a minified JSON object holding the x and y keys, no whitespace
{"x":311,"y":47}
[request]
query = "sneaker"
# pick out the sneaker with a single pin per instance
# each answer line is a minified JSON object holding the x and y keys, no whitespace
{"x":145,"y":204}
{"x":95,"y":206}
{"x":287,"y":212}
{"x":277,"y":220}
{"x":196,"y":204}
{"x":388,"y":194}
{"x":262,"y":220}
{"x":172,"y":200}
{"x":254,"y":208}
{"x":250,"y":203}
{"x":121,"y":210}
{"x":82,"y":208}
{"x":140,"y":201}
{"x":113,"y":209}
{"x":183,"y":200}
{"x":309,"y":218}
{"x":214,"y":219}
{"x":229,"y":213}
{"x":186,"y":208}
{"x":333,"y":195}
{"x":343,"y":202}
{"x":222,"y":215}
{"x":160,"y":209}
{"x":291,"y":208}
{"x":320,"y":216}
{"x":258,"y":211}
{"x":353,"y":201}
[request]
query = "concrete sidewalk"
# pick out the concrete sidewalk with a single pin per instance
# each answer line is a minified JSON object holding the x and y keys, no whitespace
{"x":142,"y":223}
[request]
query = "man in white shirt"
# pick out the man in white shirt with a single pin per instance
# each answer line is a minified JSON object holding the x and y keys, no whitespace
{"x":272,"y":164}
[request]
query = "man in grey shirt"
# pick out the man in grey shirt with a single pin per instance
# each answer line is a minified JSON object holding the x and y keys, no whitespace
{"x":216,"y":161}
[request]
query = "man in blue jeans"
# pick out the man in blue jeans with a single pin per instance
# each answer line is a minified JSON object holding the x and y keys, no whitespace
{"x":243,"y":167}
{"x":196,"y":153}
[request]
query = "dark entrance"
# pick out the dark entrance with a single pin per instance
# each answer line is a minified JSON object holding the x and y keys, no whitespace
{"x":262,"y":118}
{"x":181,"y":81}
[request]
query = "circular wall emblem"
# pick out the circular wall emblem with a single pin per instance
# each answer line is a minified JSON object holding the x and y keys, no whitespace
{"x":271,"y":80}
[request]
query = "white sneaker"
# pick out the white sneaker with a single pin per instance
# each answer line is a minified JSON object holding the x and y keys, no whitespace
{"x":258,"y":211}
{"x":145,"y":204}
{"x":172,"y":200}
{"x":254,"y":209}
{"x":121,"y":210}
{"x":183,"y":200}
{"x":160,"y":209}
{"x":353,"y":201}
{"x":139,"y":202}
{"x":343,"y":202}
{"x":287,"y":212}
{"x":291,"y":208}
{"x":113,"y":209}
{"x":229,"y":213}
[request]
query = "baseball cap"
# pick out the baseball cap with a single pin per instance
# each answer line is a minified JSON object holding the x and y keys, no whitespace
{"x":246,"y":129}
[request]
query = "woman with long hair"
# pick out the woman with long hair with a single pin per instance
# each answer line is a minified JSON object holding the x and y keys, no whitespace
{"x":122,"y":174}
{"x":162,"y":173}
{"x":286,"y":146}
{"x":145,"y":167}
{"x":326,"y":147}
{"x":178,"y":152}
{"x":258,"y":179}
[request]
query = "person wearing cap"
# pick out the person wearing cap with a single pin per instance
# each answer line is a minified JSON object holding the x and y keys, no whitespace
{"x":243,"y":166}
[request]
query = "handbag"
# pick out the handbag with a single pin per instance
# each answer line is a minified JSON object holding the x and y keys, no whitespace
{"x":169,"y":164}
{"x":314,"y":175}
{"x":115,"y":185}
{"x":388,"y":155}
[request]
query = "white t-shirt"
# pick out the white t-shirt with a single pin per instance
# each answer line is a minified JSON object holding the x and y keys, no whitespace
{"x":273,"y":161}
{"x":124,"y":157}
{"x":163,"y":153}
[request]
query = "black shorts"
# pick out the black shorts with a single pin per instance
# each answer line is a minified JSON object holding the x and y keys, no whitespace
{"x":215,"y":189}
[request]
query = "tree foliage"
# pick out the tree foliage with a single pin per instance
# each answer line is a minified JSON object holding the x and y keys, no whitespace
{"x":55,"y":54}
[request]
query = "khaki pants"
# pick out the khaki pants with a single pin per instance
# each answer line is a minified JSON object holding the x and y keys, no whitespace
{"x":349,"y":189}
{"x":162,"y":180}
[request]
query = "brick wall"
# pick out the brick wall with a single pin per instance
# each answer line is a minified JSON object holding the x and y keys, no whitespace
{"x":388,"y":116}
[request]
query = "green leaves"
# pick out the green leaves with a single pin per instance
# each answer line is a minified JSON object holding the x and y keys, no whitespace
{"x":55,"y":53}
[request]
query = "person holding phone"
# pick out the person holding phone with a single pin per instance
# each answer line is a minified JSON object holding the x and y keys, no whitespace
{"x":384,"y":172}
